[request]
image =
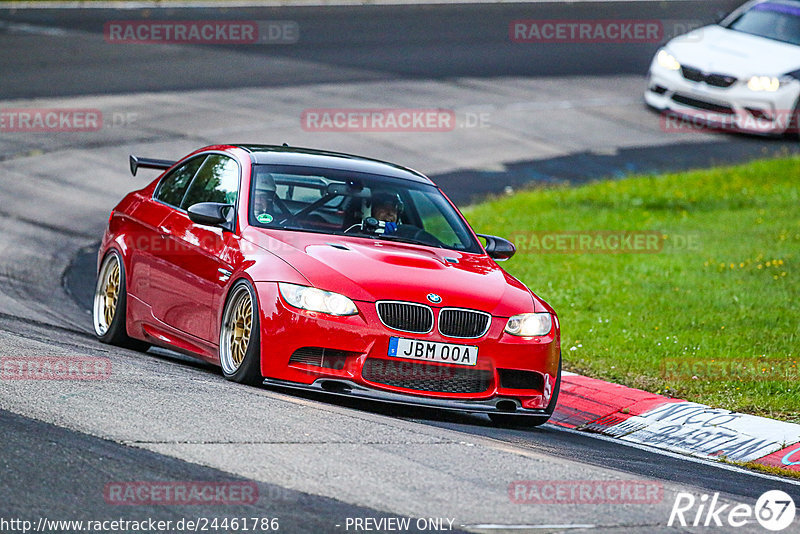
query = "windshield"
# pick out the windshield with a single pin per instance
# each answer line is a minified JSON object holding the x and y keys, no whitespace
{"x":773,"y":20}
{"x":350,"y":203}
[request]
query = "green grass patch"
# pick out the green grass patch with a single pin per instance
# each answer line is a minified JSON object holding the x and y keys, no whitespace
{"x":711,"y":313}
{"x":768,"y":469}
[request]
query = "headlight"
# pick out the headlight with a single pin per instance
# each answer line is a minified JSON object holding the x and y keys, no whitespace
{"x":667,"y":60}
{"x":764,"y":83}
{"x":529,"y":324}
{"x":313,"y":299}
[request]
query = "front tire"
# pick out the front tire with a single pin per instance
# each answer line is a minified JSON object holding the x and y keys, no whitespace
{"x":239,"y":339}
{"x":525,"y":421}
{"x":109,"y":308}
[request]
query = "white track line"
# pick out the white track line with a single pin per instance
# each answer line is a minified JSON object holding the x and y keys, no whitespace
{"x":494,"y":526}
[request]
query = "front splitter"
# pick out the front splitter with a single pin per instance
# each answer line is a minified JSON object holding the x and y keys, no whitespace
{"x":349,"y":389}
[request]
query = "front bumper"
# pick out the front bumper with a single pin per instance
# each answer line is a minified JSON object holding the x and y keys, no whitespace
{"x":734,"y":108}
{"x":360,"y":345}
{"x":347,"y":388}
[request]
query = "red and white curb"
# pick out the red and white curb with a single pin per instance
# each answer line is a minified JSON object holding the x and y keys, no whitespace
{"x":675,"y":425}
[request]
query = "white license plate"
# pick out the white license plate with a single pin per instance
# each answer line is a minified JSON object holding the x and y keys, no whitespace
{"x":432,"y":351}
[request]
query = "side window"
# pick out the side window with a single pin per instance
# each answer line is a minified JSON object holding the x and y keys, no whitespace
{"x":173,"y":186}
{"x":216,"y":181}
{"x":299,"y":193}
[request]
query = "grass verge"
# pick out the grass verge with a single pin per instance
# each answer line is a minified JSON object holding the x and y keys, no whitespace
{"x":768,"y":469}
{"x":707,"y":308}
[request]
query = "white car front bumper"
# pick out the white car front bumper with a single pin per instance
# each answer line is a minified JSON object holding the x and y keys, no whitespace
{"x":735,"y":107}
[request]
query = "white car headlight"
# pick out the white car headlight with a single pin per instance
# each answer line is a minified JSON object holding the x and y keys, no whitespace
{"x":313,"y":299}
{"x":764,"y":83}
{"x":529,"y":324}
{"x":667,"y":60}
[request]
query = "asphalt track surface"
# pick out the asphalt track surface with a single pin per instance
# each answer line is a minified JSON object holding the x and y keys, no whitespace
{"x":316,"y":462}
{"x":350,"y":44}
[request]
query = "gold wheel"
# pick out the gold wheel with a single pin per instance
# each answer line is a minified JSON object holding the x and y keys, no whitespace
{"x":236,"y":332}
{"x":107,"y":294}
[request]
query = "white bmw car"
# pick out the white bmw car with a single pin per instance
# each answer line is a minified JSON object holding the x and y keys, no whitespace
{"x":742,"y":73}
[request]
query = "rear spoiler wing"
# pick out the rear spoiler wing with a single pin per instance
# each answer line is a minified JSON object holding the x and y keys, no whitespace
{"x":148,"y":163}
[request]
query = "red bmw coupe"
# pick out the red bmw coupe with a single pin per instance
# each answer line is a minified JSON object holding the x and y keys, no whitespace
{"x":301,"y":268}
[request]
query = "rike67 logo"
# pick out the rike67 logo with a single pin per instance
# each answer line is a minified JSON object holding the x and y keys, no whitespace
{"x":774,"y":510}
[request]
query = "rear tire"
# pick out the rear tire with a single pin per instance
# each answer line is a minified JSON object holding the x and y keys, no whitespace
{"x":239,"y":336}
{"x":110,"y":305}
{"x":527,"y":421}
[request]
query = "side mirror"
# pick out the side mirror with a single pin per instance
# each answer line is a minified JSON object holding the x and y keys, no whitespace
{"x":210,"y":214}
{"x":498,"y":248}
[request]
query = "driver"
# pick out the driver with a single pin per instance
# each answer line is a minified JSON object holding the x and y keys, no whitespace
{"x":264,"y":198}
{"x":262,"y":201}
{"x":387,"y":207}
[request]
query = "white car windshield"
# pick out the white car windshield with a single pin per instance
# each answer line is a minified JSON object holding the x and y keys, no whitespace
{"x":779,"y":21}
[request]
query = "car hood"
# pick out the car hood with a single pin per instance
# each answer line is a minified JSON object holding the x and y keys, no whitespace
{"x":371,"y":270}
{"x":717,"y":49}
